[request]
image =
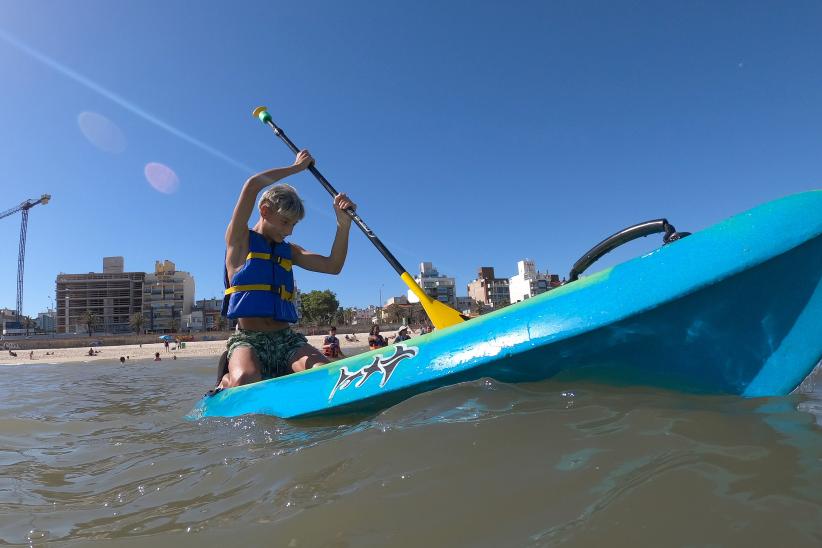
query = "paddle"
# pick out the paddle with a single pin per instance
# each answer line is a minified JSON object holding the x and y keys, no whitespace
{"x":441,"y":315}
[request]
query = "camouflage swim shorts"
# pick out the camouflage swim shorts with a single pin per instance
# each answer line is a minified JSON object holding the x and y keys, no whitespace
{"x":274,"y":349}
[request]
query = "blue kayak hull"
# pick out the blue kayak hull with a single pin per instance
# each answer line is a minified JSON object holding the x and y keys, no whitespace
{"x":733,"y":309}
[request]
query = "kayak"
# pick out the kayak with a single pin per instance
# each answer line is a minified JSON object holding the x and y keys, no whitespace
{"x":735,"y":308}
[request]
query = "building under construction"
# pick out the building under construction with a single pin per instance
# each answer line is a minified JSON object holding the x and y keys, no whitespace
{"x":111,"y":297}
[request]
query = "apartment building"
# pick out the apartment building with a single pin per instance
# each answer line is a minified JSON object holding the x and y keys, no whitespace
{"x":488,"y":289}
{"x":111,"y":297}
{"x":400,"y":300}
{"x":365,"y":316}
{"x":46,"y":321}
{"x":435,"y":285}
{"x":8,"y":319}
{"x":205,"y":316}
{"x":168,"y":295}
{"x":528,"y":282}
{"x":464,"y":304}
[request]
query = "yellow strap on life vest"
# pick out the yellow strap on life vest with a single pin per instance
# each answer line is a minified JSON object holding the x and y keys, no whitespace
{"x":253,"y":255}
{"x":285,"y":294}
{"x":251,"y":287}
{"x":285,"y":263}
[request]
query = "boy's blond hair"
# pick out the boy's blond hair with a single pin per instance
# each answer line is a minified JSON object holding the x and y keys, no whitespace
{"x":283,"y":199}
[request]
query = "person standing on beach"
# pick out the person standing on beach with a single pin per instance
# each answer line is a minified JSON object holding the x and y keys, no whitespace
{"x":259,"y":277}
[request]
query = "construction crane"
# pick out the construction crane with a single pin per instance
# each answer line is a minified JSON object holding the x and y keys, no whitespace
{"x":21,"y":255}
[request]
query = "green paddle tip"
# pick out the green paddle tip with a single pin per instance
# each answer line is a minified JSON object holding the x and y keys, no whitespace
{"x":262,"y":114}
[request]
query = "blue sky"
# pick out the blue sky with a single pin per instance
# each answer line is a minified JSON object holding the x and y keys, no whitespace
{"x":470,"y":133}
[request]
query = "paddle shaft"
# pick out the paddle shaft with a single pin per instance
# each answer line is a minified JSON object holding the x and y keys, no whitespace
{"x":440,"y":314}
{"x":331,"y":190}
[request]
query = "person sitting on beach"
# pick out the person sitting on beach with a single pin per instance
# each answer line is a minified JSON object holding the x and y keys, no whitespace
{"x":157,"y":357}
{"x":375,"y":340}
{"x":90,"y":351}
{"x":259,"y":278}
{"x":331,"y":344}
{"x":402,"y":334}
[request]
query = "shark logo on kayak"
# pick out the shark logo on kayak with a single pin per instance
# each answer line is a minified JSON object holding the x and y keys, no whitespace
{"x":385,"y":366}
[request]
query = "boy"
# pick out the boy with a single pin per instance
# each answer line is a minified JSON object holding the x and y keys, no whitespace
{"x":259,"y":279}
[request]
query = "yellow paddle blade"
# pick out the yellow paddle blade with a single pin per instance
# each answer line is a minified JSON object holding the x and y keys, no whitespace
{"x":440,"y":314}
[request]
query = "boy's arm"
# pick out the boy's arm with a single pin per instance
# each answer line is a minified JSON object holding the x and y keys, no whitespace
{"x":236,"y":234}
{"x":333,"y":263}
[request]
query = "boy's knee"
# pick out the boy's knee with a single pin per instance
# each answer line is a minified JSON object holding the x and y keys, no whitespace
{"x":309,"y":361}
{"x":239,"y":378}
{"x":243,"y":368}
{"x":245,"y":374}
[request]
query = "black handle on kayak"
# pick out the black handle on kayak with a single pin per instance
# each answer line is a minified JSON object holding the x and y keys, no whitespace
{"x":624,"y":236}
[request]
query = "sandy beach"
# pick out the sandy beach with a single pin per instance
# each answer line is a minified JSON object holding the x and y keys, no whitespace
{"x":146,"y":351}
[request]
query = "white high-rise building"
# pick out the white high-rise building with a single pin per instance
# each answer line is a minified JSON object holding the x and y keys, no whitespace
{"x":527,"y":282}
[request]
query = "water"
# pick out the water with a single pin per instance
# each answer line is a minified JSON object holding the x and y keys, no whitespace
{"x":99,"y":454}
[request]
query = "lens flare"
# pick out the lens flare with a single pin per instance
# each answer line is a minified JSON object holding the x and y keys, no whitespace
{"x":161,"y":177}
{"x":117,"y":99}
{"x":101,"y":132}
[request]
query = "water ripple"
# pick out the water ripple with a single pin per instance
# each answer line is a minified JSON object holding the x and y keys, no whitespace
{"x":93,"y":455}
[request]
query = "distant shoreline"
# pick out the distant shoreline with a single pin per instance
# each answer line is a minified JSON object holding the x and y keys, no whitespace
{"x":102,"y":340}
{"x":78,"y":353}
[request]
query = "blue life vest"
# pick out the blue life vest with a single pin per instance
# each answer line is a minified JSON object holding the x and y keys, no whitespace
{"x":264,"y":286}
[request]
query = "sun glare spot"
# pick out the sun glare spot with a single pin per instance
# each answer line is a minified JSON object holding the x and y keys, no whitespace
{"x":161,"y":177}
{"x":101,"y":132}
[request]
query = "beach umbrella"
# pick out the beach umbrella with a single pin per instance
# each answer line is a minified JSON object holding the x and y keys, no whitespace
{"x":166,"y":338}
